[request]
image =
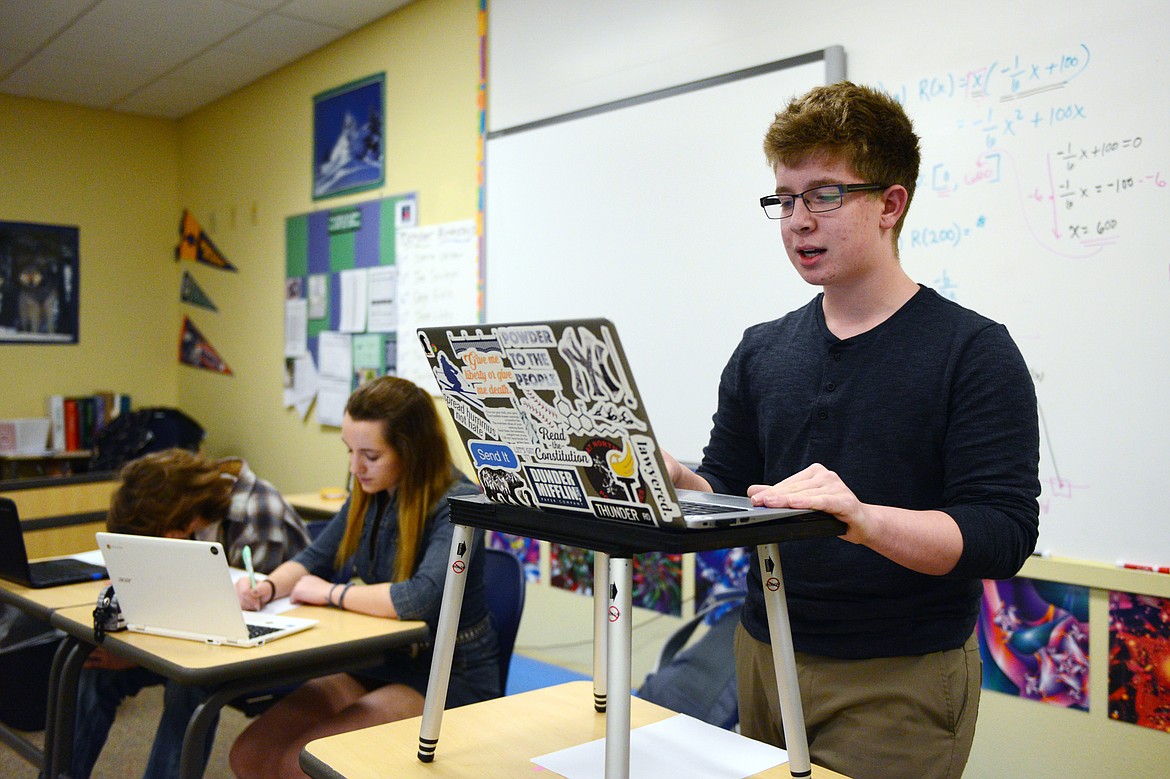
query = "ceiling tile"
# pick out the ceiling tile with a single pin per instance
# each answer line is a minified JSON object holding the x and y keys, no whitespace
{"x":281,"y":36}
{"x":343,"y":14}
{"x":169,"y":97}
{"x":25,"y":26}
{"x":72,"y":81}
{"x":228,"y":70}
{"x":149,"y":57}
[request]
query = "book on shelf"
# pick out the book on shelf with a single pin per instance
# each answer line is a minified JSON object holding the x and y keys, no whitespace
{"x":72,"y":425}
{"x":76,"y":420}
{"x":55,"y":408}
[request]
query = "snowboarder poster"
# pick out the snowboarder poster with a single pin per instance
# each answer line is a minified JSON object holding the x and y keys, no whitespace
{"x":348,"y":145}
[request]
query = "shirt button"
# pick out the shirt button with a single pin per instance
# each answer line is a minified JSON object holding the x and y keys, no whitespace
{"x":830,"y":386}
{"x":822,"y":415}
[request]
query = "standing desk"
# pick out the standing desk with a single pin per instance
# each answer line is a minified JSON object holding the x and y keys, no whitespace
{"x":617,"y":543}
{"x":342,"y":641}
{"x":494,"y":739}
{"x":41,"y":603}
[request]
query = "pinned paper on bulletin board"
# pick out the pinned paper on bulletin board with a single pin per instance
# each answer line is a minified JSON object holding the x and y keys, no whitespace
{"x":357,"y":279}
{"x":195,"y":245}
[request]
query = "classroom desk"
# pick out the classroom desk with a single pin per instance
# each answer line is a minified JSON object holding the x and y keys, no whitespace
{"x":41,"y":603}
{"x":616,"y":544}
{"x":489,"y":740}
{"x":342,"y":641}
{"x":310,"y":505}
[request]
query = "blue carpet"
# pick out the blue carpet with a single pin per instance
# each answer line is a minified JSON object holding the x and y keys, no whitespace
{"x":527,"y":674}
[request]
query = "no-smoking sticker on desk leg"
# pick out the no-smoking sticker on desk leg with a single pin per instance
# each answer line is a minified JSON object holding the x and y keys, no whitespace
{"x":773,"y":584}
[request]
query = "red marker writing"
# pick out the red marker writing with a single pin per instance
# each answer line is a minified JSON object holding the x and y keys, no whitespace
{"x":1143,"y":567}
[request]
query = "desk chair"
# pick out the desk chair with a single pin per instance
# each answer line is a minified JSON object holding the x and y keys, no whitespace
{"x":504,"y":586}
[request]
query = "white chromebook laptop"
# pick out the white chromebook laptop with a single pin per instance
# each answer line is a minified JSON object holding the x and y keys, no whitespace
{"x":183,"y":589}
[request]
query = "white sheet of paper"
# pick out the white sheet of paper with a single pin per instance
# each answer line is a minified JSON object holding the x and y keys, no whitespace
{"x":438,"y":284}
{"x":676,"y":746}
{"x":296,"y":327}
{"x":318,"y":295}
{"x":354,"y":296}
{"x":93,"y":557}
{"x":304,"y":387}
{"x":278,"y":606}
{"x":335,"y":355}
{"x":383,"y":299}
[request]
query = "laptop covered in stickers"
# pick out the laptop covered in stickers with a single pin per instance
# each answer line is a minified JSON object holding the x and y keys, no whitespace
{"x":552,"y":420}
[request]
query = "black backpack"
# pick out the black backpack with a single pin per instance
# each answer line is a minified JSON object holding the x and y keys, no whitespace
{"x":135,"y":433}
{"x":700,"y":679}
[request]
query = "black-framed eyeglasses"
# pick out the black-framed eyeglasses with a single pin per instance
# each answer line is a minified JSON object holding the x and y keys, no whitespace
{"x":817,"y":200}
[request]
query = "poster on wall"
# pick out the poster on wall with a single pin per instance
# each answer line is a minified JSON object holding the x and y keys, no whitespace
{"x":348,"y":147}
{"x":38,"y":283}
{"x":1139,"y":659}
{"x":656,"y":576}
{"x":1034,"y":640}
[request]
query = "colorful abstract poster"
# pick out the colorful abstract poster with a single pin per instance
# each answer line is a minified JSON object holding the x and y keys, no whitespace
{"x":526,"y":550}
{"x":718,"y":572}
{"x":656,"y":577}
{"x":1139,"y":660}
{"x":1034,"y":640}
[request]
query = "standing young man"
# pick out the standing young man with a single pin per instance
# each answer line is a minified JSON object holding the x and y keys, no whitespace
{"x":911,"y":419}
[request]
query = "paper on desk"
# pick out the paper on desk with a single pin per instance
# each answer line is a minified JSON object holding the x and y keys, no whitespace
{"x":278,"y":606}
{"x":93,"y":557}
{"x":676,"y":746}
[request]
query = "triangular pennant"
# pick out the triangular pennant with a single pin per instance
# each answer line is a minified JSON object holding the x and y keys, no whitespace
{"x":194,"y":350}
{"x":194,"y":245}
{"x":192,"y":293}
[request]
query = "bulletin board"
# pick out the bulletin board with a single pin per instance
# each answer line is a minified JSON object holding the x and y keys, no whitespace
{"x":359,"y":279}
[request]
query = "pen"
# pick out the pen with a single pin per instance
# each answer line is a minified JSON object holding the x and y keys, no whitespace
{"x":1142,"y":567}
{"x":248,"y":566}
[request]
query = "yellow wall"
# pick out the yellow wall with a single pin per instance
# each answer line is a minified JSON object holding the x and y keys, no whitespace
{"x":246,"y":167}
{"x":115,"y":177}
{"x":242,"y":166}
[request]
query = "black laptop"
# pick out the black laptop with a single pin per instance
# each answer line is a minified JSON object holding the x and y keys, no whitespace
{"x":14,"y":564}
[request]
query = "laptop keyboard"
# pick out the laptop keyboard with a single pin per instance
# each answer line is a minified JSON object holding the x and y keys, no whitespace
{"x":692,"y":508}
{"x":255,"y":631}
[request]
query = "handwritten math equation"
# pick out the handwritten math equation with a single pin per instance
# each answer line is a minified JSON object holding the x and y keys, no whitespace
{"x":997,"y":120}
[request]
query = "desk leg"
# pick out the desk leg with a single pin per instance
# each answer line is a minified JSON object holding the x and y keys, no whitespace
{"x":444,"y":642}
{"x":617,"y":712}
{"x":784,"y":660}
{"x":600,"y":627}
{"x":62,"y":705}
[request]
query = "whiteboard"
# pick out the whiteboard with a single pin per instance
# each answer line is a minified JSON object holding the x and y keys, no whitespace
{"x":647,"y":212}
{"x":1091,"y":313}
{"x":1042,"y":203}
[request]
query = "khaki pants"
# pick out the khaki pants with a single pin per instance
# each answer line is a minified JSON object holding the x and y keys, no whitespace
{"x":869,"y":719}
